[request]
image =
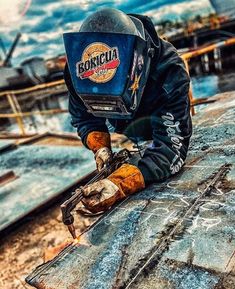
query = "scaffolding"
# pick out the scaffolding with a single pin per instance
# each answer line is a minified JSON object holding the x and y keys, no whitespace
{"x":11,"y":102}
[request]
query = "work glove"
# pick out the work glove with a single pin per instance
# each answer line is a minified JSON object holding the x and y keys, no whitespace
{"x":103,"y":157}
{"x":101,"y":195}
{"x":100,"y":144}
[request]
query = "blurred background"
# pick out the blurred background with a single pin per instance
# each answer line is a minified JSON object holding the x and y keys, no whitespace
{"x":32,"y":52}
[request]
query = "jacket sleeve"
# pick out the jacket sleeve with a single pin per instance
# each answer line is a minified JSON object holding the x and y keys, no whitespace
{"x":172,"y":128}
{"x":82,"y":120}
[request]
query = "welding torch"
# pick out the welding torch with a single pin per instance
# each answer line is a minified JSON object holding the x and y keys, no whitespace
{"x":69,"y":205}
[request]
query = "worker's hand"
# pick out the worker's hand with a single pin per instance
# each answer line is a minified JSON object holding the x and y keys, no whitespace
{"x":99,"y":142}
{"x":101,"y":195}
{"x":102,"y":157}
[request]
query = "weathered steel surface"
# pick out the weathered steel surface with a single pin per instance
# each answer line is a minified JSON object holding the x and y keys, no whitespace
{"x":177,"y":234}
{"x":42,"y":173}
{"x":5,"y":144}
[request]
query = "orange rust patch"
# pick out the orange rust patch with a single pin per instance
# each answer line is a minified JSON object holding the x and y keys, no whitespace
{"x":50,"y":253}
{"x":7,"y":177}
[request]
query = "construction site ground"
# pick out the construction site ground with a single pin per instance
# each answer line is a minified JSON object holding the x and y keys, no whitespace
{"x":33,"y":243}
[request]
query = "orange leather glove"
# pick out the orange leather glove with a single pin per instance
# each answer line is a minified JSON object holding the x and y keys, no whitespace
{"x":101,"y":195}
{"x":100,"y":144}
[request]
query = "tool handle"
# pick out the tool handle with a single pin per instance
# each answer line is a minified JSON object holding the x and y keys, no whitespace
{"x":69,"y":205}
{"x":118,"y":159}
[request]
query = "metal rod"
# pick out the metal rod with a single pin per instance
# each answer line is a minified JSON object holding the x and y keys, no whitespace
{"x":19,"y":117}
{"x":228,"y":42}
{"x":7,"y":61}
{"x":33,"y":88}
{"x":30,"y":113}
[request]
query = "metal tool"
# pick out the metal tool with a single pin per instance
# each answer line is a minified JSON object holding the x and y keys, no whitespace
{"x":118,"y":159}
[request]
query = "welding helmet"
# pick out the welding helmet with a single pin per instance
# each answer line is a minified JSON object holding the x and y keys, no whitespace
{"x":109,"y":62}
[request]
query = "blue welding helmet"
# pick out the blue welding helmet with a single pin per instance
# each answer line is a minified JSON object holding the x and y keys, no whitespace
{"x":109,"y":62}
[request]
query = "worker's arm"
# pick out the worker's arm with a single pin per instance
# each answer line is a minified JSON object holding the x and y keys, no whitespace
{"x":172,"y":129}
{"x":83,"y":121}
{"x":92,"y":130}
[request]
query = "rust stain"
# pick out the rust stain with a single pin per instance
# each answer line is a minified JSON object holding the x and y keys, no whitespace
{"x":50,"y":253}
{"x":196,"y":160}
{"x":7,"y":178}
{"x":231,"y":262}
{"x":191,"y":256}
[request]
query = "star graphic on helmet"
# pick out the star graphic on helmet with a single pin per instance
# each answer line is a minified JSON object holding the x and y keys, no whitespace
{"x":135,"y":85}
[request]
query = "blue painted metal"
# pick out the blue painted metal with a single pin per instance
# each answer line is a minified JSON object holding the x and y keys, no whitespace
{"x":176,"y":234}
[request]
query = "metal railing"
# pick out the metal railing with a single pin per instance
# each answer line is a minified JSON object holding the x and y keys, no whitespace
{"x":188,"y":55}
{"x":13,"y":96}
{"x":202,"y":51}
{"x":56,"y":87}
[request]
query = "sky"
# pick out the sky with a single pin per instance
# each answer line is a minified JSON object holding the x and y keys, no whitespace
{"x":42,"y":22}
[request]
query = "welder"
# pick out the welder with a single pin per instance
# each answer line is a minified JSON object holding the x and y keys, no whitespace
{"x":121,"y":75}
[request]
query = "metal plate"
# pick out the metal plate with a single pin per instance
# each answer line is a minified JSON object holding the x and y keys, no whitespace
{"x":43,"y":172}
{"x":177,"y":234}
{"x":5,"y":144}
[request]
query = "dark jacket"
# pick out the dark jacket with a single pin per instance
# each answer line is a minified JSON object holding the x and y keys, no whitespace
{"x":163,"y":115}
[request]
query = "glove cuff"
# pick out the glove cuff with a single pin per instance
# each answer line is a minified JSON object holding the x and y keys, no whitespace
{"x":128,"y":178}
{"x":97,"y":140}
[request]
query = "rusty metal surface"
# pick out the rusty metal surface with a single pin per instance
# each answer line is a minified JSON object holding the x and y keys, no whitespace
{"x":7,"y":177}
{"x":179,"y":234}
{"x":43,"y":172}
